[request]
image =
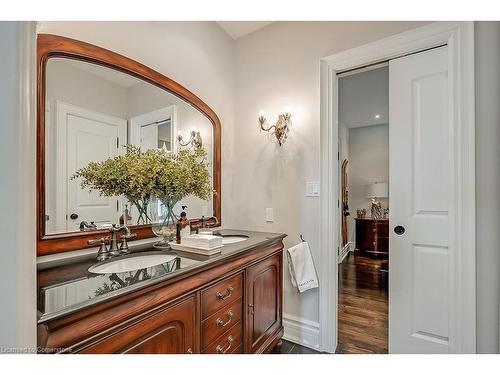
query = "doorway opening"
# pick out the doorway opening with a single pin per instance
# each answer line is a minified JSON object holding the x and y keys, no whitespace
{"x":432,"y":298}
{"x":363,"y":250}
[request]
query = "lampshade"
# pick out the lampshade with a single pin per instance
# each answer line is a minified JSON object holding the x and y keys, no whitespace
{"x":377,"y":190}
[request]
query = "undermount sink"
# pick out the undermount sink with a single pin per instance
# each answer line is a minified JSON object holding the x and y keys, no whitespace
{"x":233,"y":238}
{"x":132,"y":263}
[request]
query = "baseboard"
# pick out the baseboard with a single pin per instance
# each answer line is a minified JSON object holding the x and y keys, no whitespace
{"x":301,"y":331}
{"x":347,"y":248}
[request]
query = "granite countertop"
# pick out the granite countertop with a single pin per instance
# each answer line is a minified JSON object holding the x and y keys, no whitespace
{"x":70,"y":287}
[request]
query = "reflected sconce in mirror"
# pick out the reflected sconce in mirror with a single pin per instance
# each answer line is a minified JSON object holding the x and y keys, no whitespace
{"x":281,"y":128}
{"x":195,"y":140}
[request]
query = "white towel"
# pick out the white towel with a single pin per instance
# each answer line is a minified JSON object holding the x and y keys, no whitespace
{"x":301,"y":267}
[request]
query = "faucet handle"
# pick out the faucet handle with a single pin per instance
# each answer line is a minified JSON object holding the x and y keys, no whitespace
{"x":100,"y":241}
{"x":124,"y":245}
{"x":103,"y":252}
{"x":128,"y":236}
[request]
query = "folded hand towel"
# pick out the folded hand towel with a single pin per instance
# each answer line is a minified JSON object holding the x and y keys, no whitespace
{"x":301,"y":267}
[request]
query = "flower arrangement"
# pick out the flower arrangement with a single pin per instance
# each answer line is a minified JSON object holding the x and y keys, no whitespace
{"x":139,"y":175}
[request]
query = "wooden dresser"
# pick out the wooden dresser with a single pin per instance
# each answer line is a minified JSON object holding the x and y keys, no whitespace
{"x":372,"y":236}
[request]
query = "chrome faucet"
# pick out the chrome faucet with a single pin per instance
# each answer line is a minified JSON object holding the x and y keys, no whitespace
{"x":204,"y":223}
{"x":114,"y":250}
{"x":105,"y":253}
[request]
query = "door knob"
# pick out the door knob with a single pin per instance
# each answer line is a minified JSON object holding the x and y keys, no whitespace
{"x":73,"y":216}
{"x":399,"y":230}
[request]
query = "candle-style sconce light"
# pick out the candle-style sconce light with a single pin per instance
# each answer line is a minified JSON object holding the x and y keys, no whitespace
{"x":195,"y":139}
{"x":281,"y":128}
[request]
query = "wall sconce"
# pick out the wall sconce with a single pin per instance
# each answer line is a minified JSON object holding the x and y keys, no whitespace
{"x":281,"y":128}
{"x":195,"y":140}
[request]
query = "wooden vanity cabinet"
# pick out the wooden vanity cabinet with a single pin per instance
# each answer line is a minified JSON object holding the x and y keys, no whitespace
{"x":264,"y":302}
{"x":171,"y":330}
{"x":231,"y":307}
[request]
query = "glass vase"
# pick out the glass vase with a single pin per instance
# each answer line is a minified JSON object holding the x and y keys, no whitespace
{"x":163,"y":220}
{"x":143,"y":210}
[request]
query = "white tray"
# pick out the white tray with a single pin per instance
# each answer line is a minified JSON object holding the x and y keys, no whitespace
{"x":197,"y":250}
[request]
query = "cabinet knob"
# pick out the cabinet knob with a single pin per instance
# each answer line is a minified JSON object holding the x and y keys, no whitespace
{"x":189,"y":351}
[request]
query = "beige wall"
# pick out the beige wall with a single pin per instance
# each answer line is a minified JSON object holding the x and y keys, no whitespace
{"x":278,"y":67}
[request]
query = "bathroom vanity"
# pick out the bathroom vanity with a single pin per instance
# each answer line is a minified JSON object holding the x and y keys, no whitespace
{"x":227,"y":303}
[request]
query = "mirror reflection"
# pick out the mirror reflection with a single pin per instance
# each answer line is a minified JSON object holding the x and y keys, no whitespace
{"x":92,"y":113}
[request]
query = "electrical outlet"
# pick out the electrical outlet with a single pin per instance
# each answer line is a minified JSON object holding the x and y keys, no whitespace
{"x":312,"y":189}
{"x":269,"y":215}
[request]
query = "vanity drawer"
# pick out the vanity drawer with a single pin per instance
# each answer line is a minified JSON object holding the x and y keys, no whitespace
{"x":218,"y":323}
{"x":227,"y":343}
{"x":221,"y":294}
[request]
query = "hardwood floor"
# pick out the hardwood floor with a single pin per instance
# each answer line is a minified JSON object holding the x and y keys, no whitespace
{"x":363,"y":306}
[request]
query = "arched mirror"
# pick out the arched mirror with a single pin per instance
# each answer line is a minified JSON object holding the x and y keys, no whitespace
{"x":92,"y":103}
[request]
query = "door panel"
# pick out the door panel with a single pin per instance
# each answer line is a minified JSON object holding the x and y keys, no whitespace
{"x":420,"y":170}
{"x":264,"y":300}
{"x":170,"y":331}
{"x":90,"y":138}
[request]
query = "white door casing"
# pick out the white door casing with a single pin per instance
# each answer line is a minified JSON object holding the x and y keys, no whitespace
{"x":136,"y":124}
{"x":459,"y":38}
{"x":421,"y":169}
{"x":84,"y":136}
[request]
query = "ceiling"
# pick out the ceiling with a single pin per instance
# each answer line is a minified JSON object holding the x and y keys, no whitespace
{"x":114,"y":76}
{"x":364,"y":98}
{"x":237,"y":29}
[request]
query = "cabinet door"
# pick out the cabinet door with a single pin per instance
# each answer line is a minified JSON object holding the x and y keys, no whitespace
{"x":169,"y":331}
{"x":264,"y":302}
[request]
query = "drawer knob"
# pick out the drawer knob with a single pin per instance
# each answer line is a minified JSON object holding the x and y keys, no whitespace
{"x":219,"y":349}
{"x":220,"y":323}
{"x":221,"y":296}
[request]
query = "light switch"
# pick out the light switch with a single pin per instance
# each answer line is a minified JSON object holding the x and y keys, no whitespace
{"x":269,"y":215}
{"x":312,"y":189}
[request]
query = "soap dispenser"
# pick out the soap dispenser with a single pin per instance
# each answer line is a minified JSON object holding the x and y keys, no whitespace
{"x":183,"y":226}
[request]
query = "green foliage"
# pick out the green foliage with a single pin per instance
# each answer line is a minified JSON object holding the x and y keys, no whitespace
{"x":137,"y":175}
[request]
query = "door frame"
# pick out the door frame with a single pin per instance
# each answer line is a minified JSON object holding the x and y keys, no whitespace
{"x":62,"y":110}
{"x":136,"y":122}
{"x":459,"y":36}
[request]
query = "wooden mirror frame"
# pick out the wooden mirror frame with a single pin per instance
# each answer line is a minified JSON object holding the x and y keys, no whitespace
{"x":50,"y":46}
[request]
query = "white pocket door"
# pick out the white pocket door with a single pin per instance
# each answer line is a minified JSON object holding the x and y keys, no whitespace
{"x":421,"y":168}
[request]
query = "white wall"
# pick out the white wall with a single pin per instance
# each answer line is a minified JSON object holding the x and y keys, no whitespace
{"x":17,"y":186}
{"x":198,"y":55}
{"x":278,"y":67}
{"x":368,"y":163}
{"x":487,"y":35}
